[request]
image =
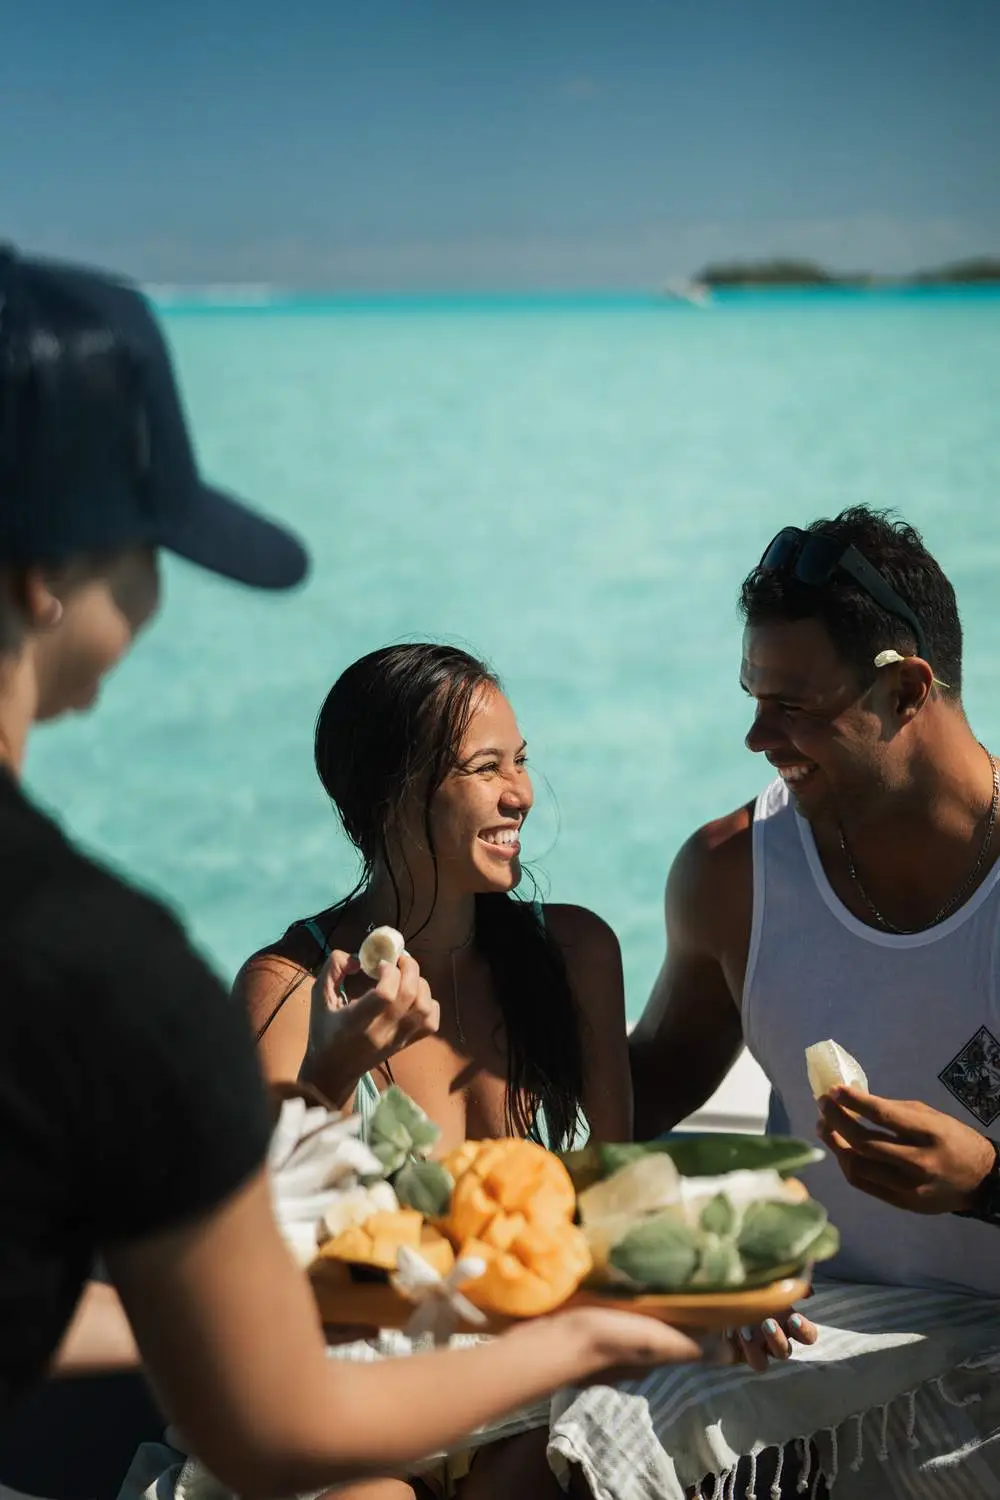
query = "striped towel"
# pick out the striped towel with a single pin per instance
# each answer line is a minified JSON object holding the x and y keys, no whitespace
{"x":908,"y":1406}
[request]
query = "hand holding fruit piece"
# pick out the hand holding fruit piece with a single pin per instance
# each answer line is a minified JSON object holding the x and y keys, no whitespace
{"x":348,"y":1038}
{"x":904,"y":1152}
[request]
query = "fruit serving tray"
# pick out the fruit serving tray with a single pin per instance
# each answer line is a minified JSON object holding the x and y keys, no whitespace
{"x":704,"y":1232}
{"x":366,"y":1305}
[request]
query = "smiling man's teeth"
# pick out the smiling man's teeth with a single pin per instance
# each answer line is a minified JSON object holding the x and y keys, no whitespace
{"x":794,"y":773}
{"x":501,"y":836}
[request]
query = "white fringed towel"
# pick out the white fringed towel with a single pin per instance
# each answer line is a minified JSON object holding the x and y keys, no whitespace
{"x":899,"y":1397}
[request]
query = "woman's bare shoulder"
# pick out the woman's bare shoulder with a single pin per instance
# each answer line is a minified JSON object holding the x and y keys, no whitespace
{"x":593,"y":959}
{"x":264,"y":980}
{"x":303,"y":945}
{"x":577,"y":927}
{"x":290,"y":951}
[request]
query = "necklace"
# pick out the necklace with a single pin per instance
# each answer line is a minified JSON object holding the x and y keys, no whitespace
{"x":454,"y":996}
{"x":445,"y":952}
{"x":963,"y":890}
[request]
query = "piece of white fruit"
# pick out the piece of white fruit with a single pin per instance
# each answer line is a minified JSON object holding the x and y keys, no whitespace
{"x":355,"y":1205}
{"x":382,"y":945}
{"x":741,"y":1188}
{"x":650,"y":1183}
{"x":829,"y":1066}
{"x":604,"y":1234}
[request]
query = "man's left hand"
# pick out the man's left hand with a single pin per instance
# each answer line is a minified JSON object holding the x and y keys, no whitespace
{"x":915,"y":1157}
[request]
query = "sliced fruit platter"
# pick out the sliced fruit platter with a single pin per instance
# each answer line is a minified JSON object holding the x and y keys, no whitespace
{"x":703,"y":1231}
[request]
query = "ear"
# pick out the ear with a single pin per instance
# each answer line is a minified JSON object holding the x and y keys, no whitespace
{"x":915,"y":684}
{"x":41,"y":605}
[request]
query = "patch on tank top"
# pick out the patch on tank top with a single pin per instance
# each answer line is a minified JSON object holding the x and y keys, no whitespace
{"x":974,"y":1076}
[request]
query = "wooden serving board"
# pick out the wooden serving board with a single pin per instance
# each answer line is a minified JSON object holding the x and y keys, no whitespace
{"x":709,"y":1310}
{"x":374,"y":1304}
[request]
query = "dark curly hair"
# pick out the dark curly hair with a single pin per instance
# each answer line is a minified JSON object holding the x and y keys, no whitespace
{"x":858,"y":627}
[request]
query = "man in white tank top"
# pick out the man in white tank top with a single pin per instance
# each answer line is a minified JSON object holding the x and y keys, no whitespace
{"x":858,"y":898}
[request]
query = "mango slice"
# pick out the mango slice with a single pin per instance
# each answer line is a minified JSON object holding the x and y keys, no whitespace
{"x":377,"y":1242}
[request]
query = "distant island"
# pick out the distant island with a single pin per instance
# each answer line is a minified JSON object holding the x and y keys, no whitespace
{"x":781,"y":272}
{"x":985,"y":268}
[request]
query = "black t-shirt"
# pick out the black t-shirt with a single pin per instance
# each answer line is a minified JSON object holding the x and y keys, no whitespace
{"x":130,"y":1096}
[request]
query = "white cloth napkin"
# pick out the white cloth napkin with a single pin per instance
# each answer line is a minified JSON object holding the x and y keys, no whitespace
{"x":314,"y":1157}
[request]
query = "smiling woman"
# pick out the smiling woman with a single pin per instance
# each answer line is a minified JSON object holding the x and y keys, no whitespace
{"x":422,"y":757}
{"x":514,"y":1021}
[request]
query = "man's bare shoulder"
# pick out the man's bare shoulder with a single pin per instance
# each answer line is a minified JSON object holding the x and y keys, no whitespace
{"x":717,"y":850}
{"x":711,"y":878}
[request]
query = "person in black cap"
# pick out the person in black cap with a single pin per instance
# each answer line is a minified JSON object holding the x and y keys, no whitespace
{"x":133,"y":1120}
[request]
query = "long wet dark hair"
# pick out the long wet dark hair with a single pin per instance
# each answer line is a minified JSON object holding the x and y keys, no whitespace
{"x":391,"y":729}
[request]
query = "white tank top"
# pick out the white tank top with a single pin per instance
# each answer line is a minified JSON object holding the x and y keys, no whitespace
{"x":920,"y":1012}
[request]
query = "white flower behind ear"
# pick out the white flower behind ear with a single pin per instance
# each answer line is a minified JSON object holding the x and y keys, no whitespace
{"x":441,"y":1307}
{"x":887,"y":658}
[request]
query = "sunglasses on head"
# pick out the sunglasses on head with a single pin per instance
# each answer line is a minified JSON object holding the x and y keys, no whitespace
{"x":813,"y":558}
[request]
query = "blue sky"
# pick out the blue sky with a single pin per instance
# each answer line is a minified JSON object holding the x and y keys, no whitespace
{"x":465,"y":143}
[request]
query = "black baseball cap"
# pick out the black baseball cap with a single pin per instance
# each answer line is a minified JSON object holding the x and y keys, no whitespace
{"x":95,"y":453}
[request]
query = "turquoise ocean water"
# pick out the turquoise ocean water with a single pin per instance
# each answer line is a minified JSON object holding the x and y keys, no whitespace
{"x":573,"y":489}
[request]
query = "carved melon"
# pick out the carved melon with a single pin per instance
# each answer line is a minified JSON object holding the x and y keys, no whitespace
{"x":535,"y":1272}
{"x":513,"y":1206}
{"x":507,"y":1177}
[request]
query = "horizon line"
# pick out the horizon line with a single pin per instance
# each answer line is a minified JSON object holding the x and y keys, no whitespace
{"x":262,"y":296}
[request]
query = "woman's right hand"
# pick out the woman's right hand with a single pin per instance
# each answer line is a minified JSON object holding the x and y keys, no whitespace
{"x":758,"y":1344}
{"x":347,"y":1038}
